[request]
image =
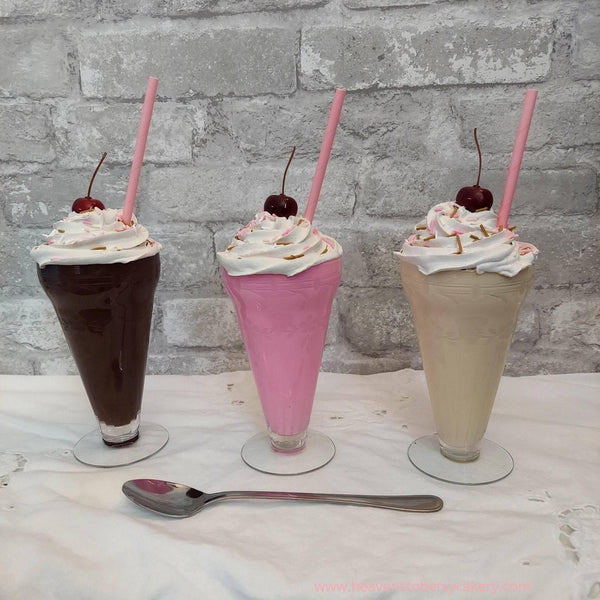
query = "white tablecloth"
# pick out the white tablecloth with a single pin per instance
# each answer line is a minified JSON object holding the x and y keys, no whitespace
{"x":67,"y":531}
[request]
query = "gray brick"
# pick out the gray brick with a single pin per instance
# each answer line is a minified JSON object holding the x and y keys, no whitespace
{"x":527,"y":331}
{"x":86,"y":131}
{"x":268,"y":127}
{"x":368,"y":259}
{"x":565,"y":117}
{"x":32,"y":323}
{"x":18,"y":268}
{"x":40,"y":199}
{"x":203,"y":322}
{"x":545,"y":362}
{"x":585,"y":58}
{"x":334,"y":329}
{"x":44,"y":9}
{"x":376,"y":320}
{"x":201,"y":362}
{"x":366,"y":4}
{"x":26,"y":133}
{"x":339,"y":359}
{"x":187,"y":259}
{"x":202,"y":8}
{"x":224,"y":193}
{"x":365,"y":57}
{"x":188,"y":60}
{"x":578,"y":322}
{"x":34,"y":62}
{"x":51,"y":365}
{"x":390,"y":189}
{"x":16,"y":362}
{"x":569,"y":249}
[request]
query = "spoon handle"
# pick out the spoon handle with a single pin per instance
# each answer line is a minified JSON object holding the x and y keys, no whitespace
{"x":417,"y":503}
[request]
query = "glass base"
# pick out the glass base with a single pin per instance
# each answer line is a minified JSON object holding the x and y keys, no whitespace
{"x":91,"y":449}
{"x":494,"y":462}
{"x":259,"y":454}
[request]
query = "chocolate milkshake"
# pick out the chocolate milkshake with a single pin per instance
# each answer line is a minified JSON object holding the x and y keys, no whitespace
{"x":100,"y":275}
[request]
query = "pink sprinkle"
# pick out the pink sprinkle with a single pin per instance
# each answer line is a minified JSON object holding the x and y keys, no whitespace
{"x":49,"y":242}
{"x":456,"y":232}
{"x":329,"y":242}
{"x":525,"y":249}
{"x":438,"y":209}
{"x":305,"y":247}
{"x":411,"y":239}
{"x":287,"y":231}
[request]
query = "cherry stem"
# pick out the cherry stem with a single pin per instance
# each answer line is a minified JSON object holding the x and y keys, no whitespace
{"x":286,"y":170}
{"x":89,"y":194}
{"x":479,"y":153}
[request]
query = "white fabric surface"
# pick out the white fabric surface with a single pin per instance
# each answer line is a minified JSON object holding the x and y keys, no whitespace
{"x":67,"y":531}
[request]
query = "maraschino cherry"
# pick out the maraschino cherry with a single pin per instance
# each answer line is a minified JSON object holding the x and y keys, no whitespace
{"x":474,"y":197}
{"x":281,"y":205}
{"x":88,"y":203}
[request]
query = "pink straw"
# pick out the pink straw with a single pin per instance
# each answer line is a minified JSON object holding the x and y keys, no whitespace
{"x":516,"y":158}
{"x":140,"y":148}
{"x":317,"y":182}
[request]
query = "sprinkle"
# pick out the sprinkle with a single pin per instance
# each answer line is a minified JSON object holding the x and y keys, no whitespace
{"x":484,"y":231}
{"x":500,"y":228}
{"x":293,"y":256}
{"x":282,"y":243}
{"x":431,"y":237}
{"x":420,"y":227}
{"x":230,"y":247}
{"x":460,"y":248}
{"x":454,"y":211}
{"x":474,"y":237}
{"x":61,"y":231}
{"x":324,"y":250}
{"x":512,"y":228}
{"x":99,"y":248}
{"x":482,"y":209}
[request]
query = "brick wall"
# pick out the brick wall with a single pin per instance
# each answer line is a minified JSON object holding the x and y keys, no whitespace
{"x":243,"y":81}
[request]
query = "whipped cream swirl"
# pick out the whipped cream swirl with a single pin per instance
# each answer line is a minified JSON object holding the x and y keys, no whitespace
{"x":451,"y":237}
{"x":281,"y":245}
{"x":95,"y":237}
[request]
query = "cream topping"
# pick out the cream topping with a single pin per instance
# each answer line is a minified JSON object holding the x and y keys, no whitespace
{"x":282,"y":245}
{"x":95,"y":237}
{"x":451,"y":237}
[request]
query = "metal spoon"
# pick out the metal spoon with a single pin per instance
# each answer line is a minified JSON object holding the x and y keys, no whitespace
{"x":178,"y":500}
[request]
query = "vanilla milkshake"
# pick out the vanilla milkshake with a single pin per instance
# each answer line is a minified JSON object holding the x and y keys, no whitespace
{"x":466,"y":279}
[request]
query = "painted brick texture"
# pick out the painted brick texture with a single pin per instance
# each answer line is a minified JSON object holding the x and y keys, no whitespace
{"x":243,"y":81}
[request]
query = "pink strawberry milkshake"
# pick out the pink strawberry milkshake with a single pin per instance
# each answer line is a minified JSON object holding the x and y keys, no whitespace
{"x":282,"y":275}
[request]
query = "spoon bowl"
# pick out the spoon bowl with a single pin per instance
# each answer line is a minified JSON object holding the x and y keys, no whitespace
{"x":179,"y":501}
